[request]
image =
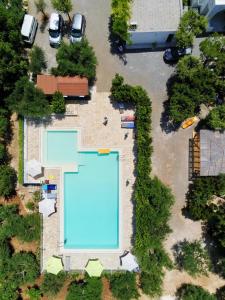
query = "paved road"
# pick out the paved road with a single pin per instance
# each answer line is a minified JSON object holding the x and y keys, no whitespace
{"x":170,"y":158}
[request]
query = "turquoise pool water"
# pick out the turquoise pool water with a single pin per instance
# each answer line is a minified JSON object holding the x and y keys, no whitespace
{"x":91,"y":196}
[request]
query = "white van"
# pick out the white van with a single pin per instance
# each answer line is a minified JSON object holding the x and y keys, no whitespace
{"x":29,"y":28}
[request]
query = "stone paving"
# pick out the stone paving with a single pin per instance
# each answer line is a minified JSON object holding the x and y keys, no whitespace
{"x":93,"y":135}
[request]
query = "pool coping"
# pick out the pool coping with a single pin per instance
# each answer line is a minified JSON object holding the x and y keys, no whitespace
{"x":80,"y":148}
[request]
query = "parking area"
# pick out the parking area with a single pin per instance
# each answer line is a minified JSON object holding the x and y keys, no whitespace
{"x":170,"y":158}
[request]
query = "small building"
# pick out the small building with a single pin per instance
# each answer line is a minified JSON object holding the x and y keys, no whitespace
{"x":69,"y":86}
{"x":154,"y":23}
{"x":208,"y":153}
{"x":214,"y":10}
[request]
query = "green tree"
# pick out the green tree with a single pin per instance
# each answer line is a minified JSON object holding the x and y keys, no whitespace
{"x":193,"y":292}
{"x":63,"y":6}
{"x":216,"y":118}
{"x":87,"y":289}
{"x":41,"y":6}
{"x":76,"y":59}
{"x":34,"y":293}
{"x":191,"y":24}
{"x":123,"y":285}
{"x":58,"y":103}
{"x":37,"y":61}
{"x":25,"y":267}
{"x":27,"y":228}
{"x":27,"y":100}
{"x":216,"y":226}
{"x":12,"y":65}
{"x":192,"y":257}
{"x":52,"y":284}
{"x":4,"y":127}
{"x":121,"y":12}
{"x":8,"y":291}
{"x":3,"y":154}
{"x":8,"y":180}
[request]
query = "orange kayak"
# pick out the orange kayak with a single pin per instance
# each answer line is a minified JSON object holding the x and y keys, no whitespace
{"x":188,"y":122}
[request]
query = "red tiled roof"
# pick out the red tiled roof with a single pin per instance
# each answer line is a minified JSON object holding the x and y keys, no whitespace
{"x":68,"y":86}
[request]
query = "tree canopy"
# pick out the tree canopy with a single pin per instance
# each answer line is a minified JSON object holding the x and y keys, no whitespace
{"x":76,"y":59}
{"x":58,"y":103}
{"x":87,"y":289}
{"x":193,"y":292}
{"x":8,"y":181}
{"x":197,"y":81}
{"x":191,"y":24}
{"x":64,"y":6}
{"x":52,"y":284}
{"x":192,"y":257}
{"x":27,"y":100}
{"x":37,"y":61}
{"x":123,"y":286}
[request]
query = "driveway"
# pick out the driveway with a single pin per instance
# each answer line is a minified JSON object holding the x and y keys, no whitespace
{"x":170,"y":158}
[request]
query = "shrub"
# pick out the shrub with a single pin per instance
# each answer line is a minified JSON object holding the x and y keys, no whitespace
{"x":58,"y":103}
{"x":87,"y":289}
{"x":8,"y":180}
{"x":25,"y":267}
{"x":121,"y":12}
{"x":3,"y":154}
{"x":191,"y":24}
{"x":4,"y":127}
{"x":21,"y":146}
{"x":123,"y":286}
{"x":33,"y":293}
{"x":200,"y":195}
{"x":192,"y":257}
{"x":36,"y":197}
{"x":27,"y":100}
{"x":193,"y":292}
{"x":152,"y":199}
{"x":30,"y":205}
{"x":28,"y":228}
{"x":37,"y":61}
{"x":52,"y":284}
{"x":8,"y":291}
{"x":216,"y":118}
{"x":76,"y":59}
{"x":220,"y":293}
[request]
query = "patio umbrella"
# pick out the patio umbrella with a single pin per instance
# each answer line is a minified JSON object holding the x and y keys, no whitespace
{"x":34,"y":168}
{"x":94,"y":268}
{"x":54,"y":265}
{"x":129,"y":262}
{"x":46,"y":207}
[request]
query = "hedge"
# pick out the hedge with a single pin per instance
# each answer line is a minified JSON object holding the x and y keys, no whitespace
{"x":152,"y":198}
{"x":21,"y":145}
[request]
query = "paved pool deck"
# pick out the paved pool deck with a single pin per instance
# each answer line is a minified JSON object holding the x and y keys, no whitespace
{"x":89,"y":119}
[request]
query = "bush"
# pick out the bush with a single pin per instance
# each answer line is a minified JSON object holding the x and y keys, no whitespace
{"x":37,"y":61}
{"x":123,"y":286}
{"x":8,"y":180}
{"x":200,"y":195}
{"x":191,"y":24}
{"x":30,"y":205}
{"x":4,"y":127}
{"x":121,"y":12}
{"x":76,"y":59}
{"x":87,"y":289}
{"x":34,"y":293}
{"x":52,"y":284}
{"x":216,"y":118}
{"x":220,"y":293}
{"x":192,"y":257}
{"x":152,"y":199}
{"x":25,"y":267}
{"x":58,"y":103}
{"x":21,"y":146}
{"x":27,"y":100}
{"x":3,"y":154}
{"x":28,"y":228}
{"x":193,"y":292}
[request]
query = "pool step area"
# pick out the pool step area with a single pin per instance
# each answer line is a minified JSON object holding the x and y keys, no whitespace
{"x":70,"y":168}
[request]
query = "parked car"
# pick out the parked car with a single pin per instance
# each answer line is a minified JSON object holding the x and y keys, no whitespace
{"x":77,"y":28}
{"x":55,"y":29}
{"x":28,"y":29}
{"x":174,"y":54}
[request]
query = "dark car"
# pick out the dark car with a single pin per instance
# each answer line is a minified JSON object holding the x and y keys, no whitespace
{"x":174,"y":54}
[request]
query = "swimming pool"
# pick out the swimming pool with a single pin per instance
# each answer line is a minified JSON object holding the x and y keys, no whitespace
{"x":91,"y":195}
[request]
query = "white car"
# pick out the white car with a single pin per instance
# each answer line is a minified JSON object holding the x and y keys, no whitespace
{"x":77,"y":28}
{"x":55,"y":29}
